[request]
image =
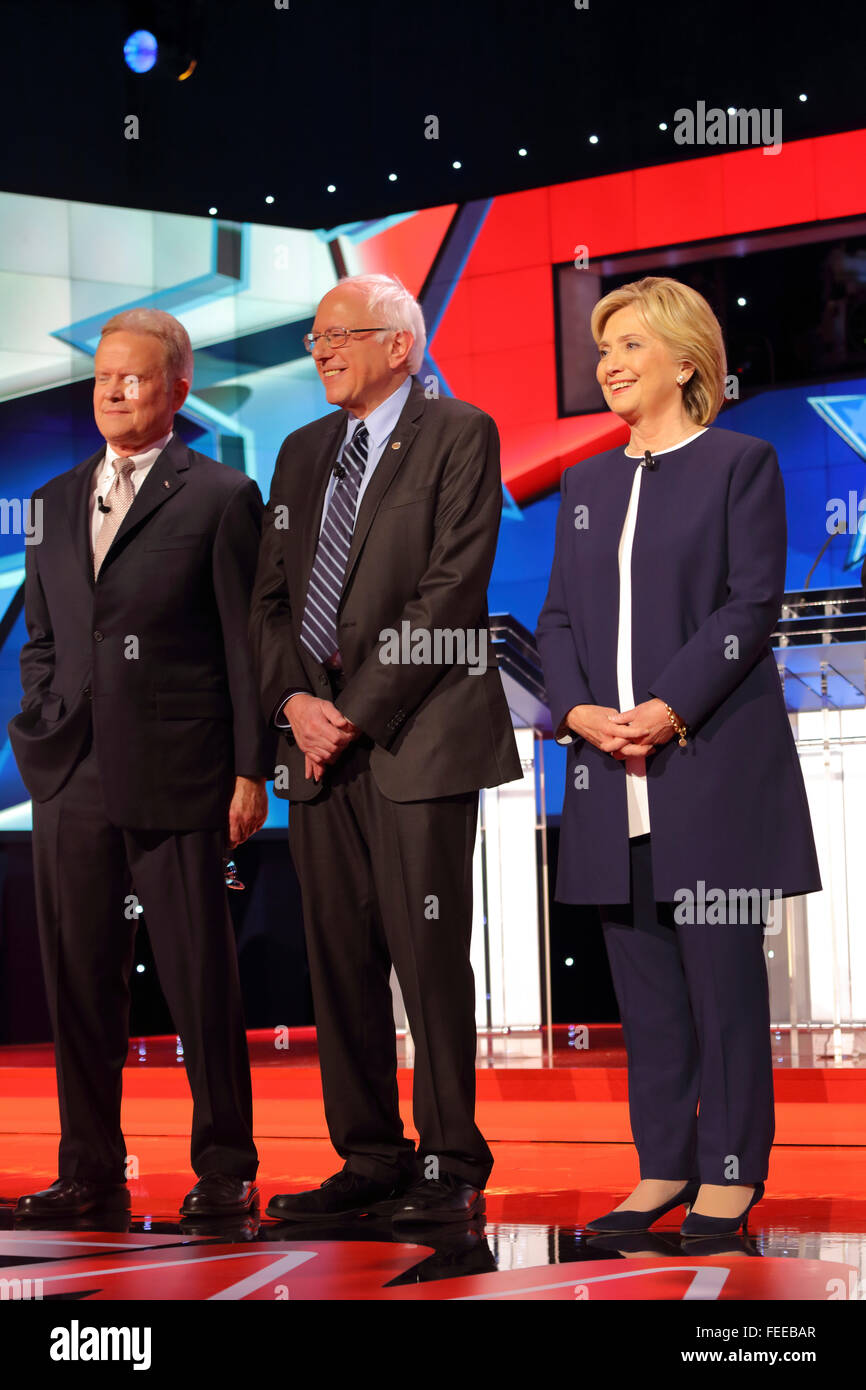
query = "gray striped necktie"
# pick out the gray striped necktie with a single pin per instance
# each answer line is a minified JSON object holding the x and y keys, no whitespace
{"x":319,"y":624}
{"x":119,"y":498}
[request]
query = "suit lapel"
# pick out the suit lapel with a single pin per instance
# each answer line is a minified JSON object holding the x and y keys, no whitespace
{"x":395,"y":451}
{"x":162,"y":482}
{"x":78,"y":504}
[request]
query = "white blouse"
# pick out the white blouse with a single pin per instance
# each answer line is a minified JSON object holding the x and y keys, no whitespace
{"x":635,"y":768}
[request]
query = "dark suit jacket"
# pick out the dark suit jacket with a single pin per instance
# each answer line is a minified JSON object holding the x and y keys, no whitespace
{"x":174,"y":723}
{"x":422,"y":552}
{"x":708,"y":565}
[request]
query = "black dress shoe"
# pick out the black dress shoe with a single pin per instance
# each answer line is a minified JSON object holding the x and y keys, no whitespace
{"x":74,"y":1197}
{"x":623,"y":1222}
{"x":446,"y":1198}
{"x":220,"y":1194}
{"x":344,"y":1194}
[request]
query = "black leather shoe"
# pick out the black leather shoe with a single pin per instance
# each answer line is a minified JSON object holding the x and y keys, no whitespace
{"x":343,"y":1194}
{"x":623,"y":1222}
{"x":74,"y":1197}
{"x":446,"y":1198}
{"x":220,"y":1194}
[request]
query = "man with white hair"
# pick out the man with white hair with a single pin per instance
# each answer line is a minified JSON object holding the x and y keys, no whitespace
{"x":143,"y":747}
{"x":370,"y":624}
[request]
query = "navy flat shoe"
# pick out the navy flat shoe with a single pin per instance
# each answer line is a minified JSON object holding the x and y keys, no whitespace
{"x":697,"y":1225}
{"x":623,"y":1222}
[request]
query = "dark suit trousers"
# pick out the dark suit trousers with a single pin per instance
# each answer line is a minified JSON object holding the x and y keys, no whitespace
{"x":384,"y":882}
{"x":86,"y":868}
{"x":695,"y":1012}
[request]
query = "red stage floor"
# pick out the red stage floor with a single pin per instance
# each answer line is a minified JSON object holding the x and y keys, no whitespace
{"x":560,"y":1141}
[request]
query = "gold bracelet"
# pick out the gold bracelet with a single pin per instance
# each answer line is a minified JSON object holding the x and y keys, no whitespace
{"x":678,"y":725}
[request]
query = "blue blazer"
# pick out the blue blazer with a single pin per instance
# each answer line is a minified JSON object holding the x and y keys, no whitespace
{"x":708,"y":576}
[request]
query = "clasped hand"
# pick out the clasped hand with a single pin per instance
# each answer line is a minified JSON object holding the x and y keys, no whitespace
{"x":634,"y":733}
{"x":320,"y":731}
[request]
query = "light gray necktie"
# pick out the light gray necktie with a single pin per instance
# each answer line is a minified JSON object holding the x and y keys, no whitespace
{"x":119,"y":498}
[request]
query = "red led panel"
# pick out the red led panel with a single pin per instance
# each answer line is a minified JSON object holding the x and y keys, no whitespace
{"x":407,"y":249}
{"x":516,"y":233}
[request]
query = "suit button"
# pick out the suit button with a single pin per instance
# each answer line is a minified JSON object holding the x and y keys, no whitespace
{"x":323,"y":679}
{"x":97,"y":636}
{"x":88,"y":692}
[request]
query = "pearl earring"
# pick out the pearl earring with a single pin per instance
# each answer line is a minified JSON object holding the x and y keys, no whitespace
{"x":680,"y":379}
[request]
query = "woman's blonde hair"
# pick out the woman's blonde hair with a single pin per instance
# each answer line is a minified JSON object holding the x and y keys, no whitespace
{"x":689,"y":329}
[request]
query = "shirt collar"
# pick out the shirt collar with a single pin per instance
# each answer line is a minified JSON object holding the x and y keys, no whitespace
{"x":143,"y":460}
{"x":381,"y":421}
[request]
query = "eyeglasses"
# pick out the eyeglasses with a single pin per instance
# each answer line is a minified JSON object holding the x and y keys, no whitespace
{"x":337,"y":337}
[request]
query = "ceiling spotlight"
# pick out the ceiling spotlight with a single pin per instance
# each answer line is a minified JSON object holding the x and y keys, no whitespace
{"x":456,"y":164}
{"x":332,"y":188}
{"x":269,"y":198}
{"x":139,"y":970}
{"x":732,"y":110}
{"x":212,"y":212}
{"x":141,"y":51}
{"x":593,"y":139}
{"x":522,"y":152}
{"x":742,"y":301}
{"x":663,"y":125}
{"x":392,"y":178}
{"x":803,"y":96}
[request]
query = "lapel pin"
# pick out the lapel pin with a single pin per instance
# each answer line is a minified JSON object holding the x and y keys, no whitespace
{"x":166,"y":483}
{"x":396,"y":444}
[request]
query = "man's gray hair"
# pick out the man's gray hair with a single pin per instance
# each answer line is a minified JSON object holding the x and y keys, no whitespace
{"x":157,"y":324}
{"x":391,"y":304}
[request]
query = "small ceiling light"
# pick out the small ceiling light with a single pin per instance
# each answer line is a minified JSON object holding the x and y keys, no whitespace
{"x":732,"y":110}
{"x":803,"y":97}
{"x":593,"y":139}
{"x":392,"y":178}
{"x":269,"y":198}
{"x":663,"y":125}
{"x":141,"y":51}
{"x":332,"y":188}
{"x":212,"y":212}
{"x":139,"y":969}
{"x":522,"y":152}
{"x":456,"y":164}
{"x":741,"y":301}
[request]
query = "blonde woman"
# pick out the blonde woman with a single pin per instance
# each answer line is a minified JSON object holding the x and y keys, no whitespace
{"x":685,"y":811}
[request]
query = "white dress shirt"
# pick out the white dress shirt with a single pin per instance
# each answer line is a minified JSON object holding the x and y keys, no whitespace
{"x":105,"y":475}
{"x":635,"y":768}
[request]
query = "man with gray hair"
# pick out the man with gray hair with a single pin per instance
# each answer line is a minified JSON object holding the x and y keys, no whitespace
{"x":142,"y":746}
{"x":385,"y":514}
